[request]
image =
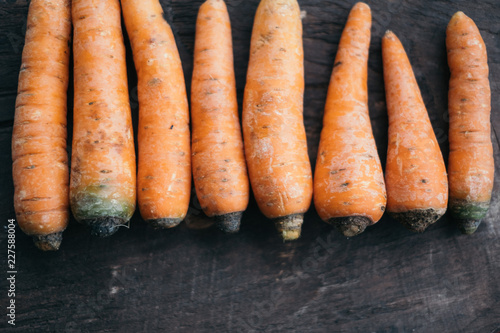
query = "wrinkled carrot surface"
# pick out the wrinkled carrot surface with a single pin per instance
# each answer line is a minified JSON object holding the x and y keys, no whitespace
{"x":103,"y":183}
{"x":349,"y":180}
{"x":273,"y":128}
{"x":219,"y":167}
{"x":415,"y":172}
{"x":40,"y":159}
{"x":164,"y":173}
{"x":471,"y":165}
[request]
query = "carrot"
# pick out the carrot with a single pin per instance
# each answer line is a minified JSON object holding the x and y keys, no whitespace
{"x":40,"y":159}
{"x":273,"y":128}
{"x":102,"y":188}
{"x":349,"y":188}
{"x":417,"y":185}
{"x":219,"y":168}
{"x":164,"y":173}
{"x":471,"y":165}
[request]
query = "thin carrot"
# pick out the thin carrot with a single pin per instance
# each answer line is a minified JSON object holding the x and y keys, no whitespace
{"x":219,"y":168}
{"x":349,"y":188}
{"x":417,"y":185}
{"x":273,"y":128}
{"x":102,"y":189}
{"x":40,"y":159}
{"x":471,"y":165}
{"x":164,"y":175}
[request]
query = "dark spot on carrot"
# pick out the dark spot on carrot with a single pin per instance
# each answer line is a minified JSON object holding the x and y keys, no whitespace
{"x":145,"y":189}
{"x":344,"y":184}
{"x":227,"y":161}
{"x":30,"y":167}
{"x":171,"y":127}
{"x":154,"y":82}
{"x":337,"y":64}
{"x":224,"y":180}
{"x":106,"y":171}
{"x":464,"y":100}
{"x":382,"y":208}
{"x":424,"y":181}
{"x":82,"y":17}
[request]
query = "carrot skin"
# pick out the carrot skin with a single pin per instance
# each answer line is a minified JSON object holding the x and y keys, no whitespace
{"x":471,"y":165}
{"x":219,"y":167}
{"x":103,"y":183}
{"x":349,"y":188}
{"x":164,"y":173}
{"x":273,"y":128}
{"x":39,"y":155}
{"x":417,"y":184}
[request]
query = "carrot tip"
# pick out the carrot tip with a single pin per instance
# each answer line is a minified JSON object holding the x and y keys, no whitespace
{"x":468,"y":227}
{"x":49,"y":242}
{"x":350,"y":225}
{"x":229,"y":223}
{"x":164,"y":223}
{"x":289,"y":226}
{"x":104,"y":226}
{"x":418,"y":220}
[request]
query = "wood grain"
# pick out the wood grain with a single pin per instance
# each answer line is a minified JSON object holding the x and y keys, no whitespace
{"x":191,"y":280}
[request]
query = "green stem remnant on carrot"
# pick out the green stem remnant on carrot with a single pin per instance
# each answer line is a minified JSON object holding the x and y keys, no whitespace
{"x":273,"y":128}
{"x":40,"y":159}
{"x":164,"y":175}
{"x":219,"y":168}
{"x":349,"y":188}
{"x":471,"y":165}
{"x":102,"y":190}
{"x":417,"y":184}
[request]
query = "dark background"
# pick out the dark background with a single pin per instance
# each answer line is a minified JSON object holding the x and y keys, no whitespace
{"x":196,"y":279}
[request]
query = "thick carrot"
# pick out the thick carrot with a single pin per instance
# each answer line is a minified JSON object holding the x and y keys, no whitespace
{"x":417,"y":185}
{"x":471,"y":165}
{"x":164,"y":175}
{"x":273,"y":128}
{"x":102,"y":190}
{"x":40,"y":159}
{"x":349,"y":188}
{"x":219,"y":167}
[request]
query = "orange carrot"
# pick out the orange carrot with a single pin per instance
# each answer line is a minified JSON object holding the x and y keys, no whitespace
{"x":164,"y":175}
{"x":102,"y":190}
{"x":273,"y":128}
{"x":349,"y":188}
{"x":40,"y":159}
{"x":417,"y":185}
{"x":219,"y":169}
{"x":471,"y":165}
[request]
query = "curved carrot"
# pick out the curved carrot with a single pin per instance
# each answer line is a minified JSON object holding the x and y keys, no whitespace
{"x":164,"y":175}
{"x":219,"y":169}
{"x":40,"y":159}
{"x":417,"y":185}
{"x":273,"y":128}
{"x":349,"y":188}
{"x":102,"y":190}
{"x":471,"y":165}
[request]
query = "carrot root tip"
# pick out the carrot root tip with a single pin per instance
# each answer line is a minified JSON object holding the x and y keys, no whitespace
{"x":104,"y":226}
{"x":229,"y":223}
{"x":350,"y":225}
{"x":165,"y":223}
{"x":49,"y":242}
{"x":289,"y":226}
{"x":418,"y":220}
{"x":468,"y":227}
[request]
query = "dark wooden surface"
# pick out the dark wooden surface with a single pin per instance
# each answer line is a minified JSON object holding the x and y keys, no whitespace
{"x":199,"y":280}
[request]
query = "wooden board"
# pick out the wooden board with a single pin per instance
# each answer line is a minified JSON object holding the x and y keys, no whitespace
{"x":189,"y":280}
